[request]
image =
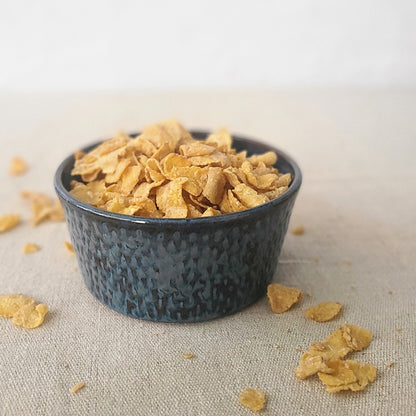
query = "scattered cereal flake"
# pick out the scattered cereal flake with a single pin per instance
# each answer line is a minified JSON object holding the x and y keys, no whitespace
{"x":298,"y":230}
{"x":389,"y":363}
{"x":44,"y":208}
{"x":69,"y":247}
{"x":276,"y":346}
{"x":347,"y":375}
{"x":17,"y":166}
{"x":338,"y":344}
{"x":30,"y":316}
{"x":324,"y":311}
{"x":8,"y":221}
{"x":390,"y":292}
{"x":353,"y":287}
{"x":399,"y":329}
{"x":282,"y":298}
{"x":10,"y":304}
{"x":189,"y":356}
{"x":30,"y":248}
{"x":253,"y":399}
{"x":77,"y":387}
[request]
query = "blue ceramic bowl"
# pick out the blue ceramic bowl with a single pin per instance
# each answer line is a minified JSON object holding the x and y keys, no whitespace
{"x":179,"y":270}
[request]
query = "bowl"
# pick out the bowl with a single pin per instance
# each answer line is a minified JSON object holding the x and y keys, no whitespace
{"x":179,"y":270}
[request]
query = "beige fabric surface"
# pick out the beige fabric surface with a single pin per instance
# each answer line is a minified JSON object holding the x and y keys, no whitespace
{"x":357,"y":152}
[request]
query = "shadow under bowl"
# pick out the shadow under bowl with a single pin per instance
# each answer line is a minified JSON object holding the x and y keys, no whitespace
{"x":179,"y":270}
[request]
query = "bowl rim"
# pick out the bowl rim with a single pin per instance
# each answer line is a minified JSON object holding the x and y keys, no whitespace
{"x":294,"y":186}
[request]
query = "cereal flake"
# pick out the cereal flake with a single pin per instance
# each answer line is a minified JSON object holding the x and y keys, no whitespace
{"x":282,"y":298}
{"x":189,"y":356}
{"x":17,"y":166}
{"x":338,"y":344}
{"x":324,"y":311}
{"x":75,"y":389}
{"x":253,"y":399}
{"x":69,"y":247}
{"x":44,"y":208}
{"x":347,"y":375}
{"x":30,"y":248}
{"x":8,"y":221}
{"x":30,"y":316}
{"x":298,"y":230}
{"x":10,"y":304}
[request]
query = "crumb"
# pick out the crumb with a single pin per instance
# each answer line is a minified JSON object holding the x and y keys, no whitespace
{"x":389,"y":363}
{"x":78,"y":387}
{"x":189,"y":356}
{"x":399,"y":329}
{"x":69,"y":247}
{"x":298,"y":230}
{"x":298,"y":349}
{"x":30,"y":248}
{"x":353,"y":287}
{"x":348,"y":263}
{"x":17,"y":166}
{"x":390,"y":292}
{"x":276,"y":346}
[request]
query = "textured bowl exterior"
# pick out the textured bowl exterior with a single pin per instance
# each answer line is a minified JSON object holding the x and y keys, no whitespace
{"x":178,"y":270}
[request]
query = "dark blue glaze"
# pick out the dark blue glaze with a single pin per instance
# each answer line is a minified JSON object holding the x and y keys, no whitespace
{"x":179,"y":270}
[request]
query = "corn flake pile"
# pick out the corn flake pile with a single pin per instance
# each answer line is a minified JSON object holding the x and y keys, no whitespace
{"x":165,"y":173}
{"x":22,"y":310}
{"x":325,"y":359}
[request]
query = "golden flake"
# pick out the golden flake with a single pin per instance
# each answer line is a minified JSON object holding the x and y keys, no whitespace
{"x":17,"y":166}
{"x":324,"y":311}
{"x":282,"y":298}
{"x":75,"y":389}
{"x":8,"y":221}
{"x":347,"y":375}
{"x":30,"y":248}
{"x":253,"y":399}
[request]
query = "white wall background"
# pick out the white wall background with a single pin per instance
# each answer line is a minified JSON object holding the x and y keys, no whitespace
{"x":52,"y":45}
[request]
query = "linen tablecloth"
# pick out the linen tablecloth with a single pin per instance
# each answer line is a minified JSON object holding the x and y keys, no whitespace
{"x":356,"y":149}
